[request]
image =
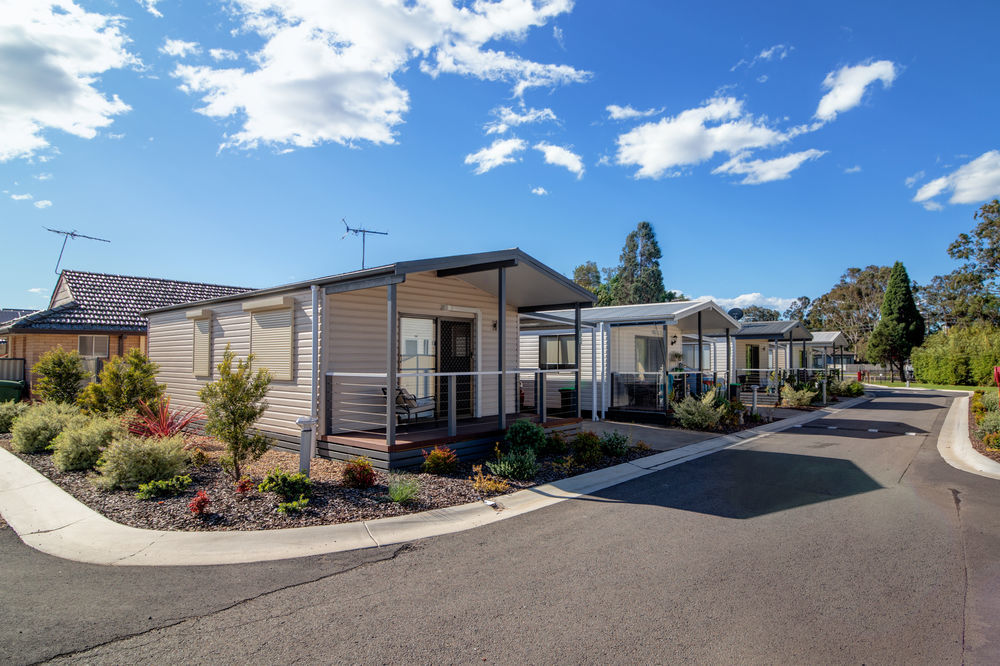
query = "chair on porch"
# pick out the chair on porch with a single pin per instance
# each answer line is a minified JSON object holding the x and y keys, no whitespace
{"x":410,"y":406}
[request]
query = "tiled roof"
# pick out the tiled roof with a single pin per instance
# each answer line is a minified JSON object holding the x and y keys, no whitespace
{"x":9,"y":314}
{"x":114,"y":302}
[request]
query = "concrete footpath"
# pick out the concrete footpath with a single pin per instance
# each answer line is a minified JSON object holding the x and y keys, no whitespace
{"x":48,"y":519}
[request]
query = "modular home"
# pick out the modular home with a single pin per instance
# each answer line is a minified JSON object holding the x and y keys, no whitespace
{"x":387,"y":361}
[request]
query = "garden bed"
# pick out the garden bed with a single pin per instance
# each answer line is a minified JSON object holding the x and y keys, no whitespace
{"x":977,"y":441}
{"x":330,"y":503}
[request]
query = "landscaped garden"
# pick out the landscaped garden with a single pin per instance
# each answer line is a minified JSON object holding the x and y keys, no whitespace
{"x":984,"y":422}
{"x":119,"y":448}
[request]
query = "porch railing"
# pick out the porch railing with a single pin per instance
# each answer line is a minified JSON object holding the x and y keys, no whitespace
{"x":652,"y":391}
{"x":771,"y":380}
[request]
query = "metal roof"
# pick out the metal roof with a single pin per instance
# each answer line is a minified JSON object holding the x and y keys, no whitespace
{"x":103,"y":302}
{"x":529,"y":282}
{"x":673,"y":313}
{"x":829,"y":339}
{"x":773,"y":329}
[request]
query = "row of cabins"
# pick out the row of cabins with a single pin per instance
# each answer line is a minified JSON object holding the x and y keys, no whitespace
{"x":386,"y":361}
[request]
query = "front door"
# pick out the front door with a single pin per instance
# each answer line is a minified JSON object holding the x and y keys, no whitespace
{"x":753,"y":362}
{"x":456,"y":355}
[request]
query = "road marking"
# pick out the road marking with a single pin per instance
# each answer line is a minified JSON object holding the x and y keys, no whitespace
{"x":797,"y":425}
{"x":872,"y":429}
{"x":831,"y":427}
{"x":912,"y":434}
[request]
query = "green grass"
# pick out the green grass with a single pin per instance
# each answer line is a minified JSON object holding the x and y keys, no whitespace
{"x":940,"y":387}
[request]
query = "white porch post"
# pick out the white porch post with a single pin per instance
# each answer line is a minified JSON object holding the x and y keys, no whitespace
{"x":579,"y":347}
{"x":593,"y":373}
{"x":391,"y":359}
{"x":501,"y":347}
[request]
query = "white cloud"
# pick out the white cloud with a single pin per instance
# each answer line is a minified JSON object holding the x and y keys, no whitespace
{"x":766,"y":171}
{"x":560,"y":156}
{"x":778,"y":51}
{"x":755,"y":298}
{"x":854,"y":169}
{"x":35,"y":290}
{"x":847,"y":86}
{"x":972,"y":182}
{"x":223,"y":54}
{"x":540,"y":191}
{"x":498,"y":153}
{"x":557,"y":34}
{"x":150,"y":6}
{"x":915,"y":178}
{"x":43,"y":176}
{"x":626,"y":112}
{"x":507,"y":117}
{"x":693,"y":136}
{"x":51,"y":58}
{"x":44,"y":203}
{"x":178,"y":48}
{"x":326,"y":70}
{"x":21,"y":197}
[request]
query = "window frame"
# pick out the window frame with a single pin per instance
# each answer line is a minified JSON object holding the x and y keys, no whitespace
{"x":93,"y":337}
{"x":569,"y":349}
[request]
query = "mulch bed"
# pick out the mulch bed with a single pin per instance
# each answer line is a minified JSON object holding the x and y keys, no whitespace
{"x":330,"y":502}
{"x":977,"y":442}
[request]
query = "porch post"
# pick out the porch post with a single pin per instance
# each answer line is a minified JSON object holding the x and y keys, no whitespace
{"x":701,"y":366}
{"x":501,"y":347}
{"x":729,"y":360}
{"x":805,"y":361}
{"x":593,"y":373}
{"x":579,"y":347}
{"x":666,"y":369}
{"x":391,"y":360}
{"x":605,"y":360}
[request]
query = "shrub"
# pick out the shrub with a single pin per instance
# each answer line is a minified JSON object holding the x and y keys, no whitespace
{"x":199,"y":503}
{"x":294,"y":506}
{"x":555,"y":445}
{"x":992,"y":440}
{"x":79,"y":445}
{"x":990,"y":423}
{"x":286,"y":485}
{"x":131,"y":461}
{"x":642,"y":446}
{"x":521,"y":464}
{"x":587,"y":449}
{"x":523,"y":435}
{"x":9,"y":412}
{"x":161,"y":488}
{"x":962,"y":355}
{"x":403,"y":489}
{"x":60,"y":376}
{"x":991,"y":402}
{"x":849,"y":388}
{"x":197,"y":457}
{"x":797,"y":398}
{"x":157,"y":420}
{"x":486,"y":484}
{"x":124,"y":383}
{"x":233,"y":403}
{"x":614,"y":443}
{"x":440,"y":460}
{"x":358,"y":473}
{"x":694,"y":414}
{"x":244,"y":485}
{"x":34,"y":431}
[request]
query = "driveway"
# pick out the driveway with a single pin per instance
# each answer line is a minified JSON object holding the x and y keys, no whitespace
{"x":848,"y":540}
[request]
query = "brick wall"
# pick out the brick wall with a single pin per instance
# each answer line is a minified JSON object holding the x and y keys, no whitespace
{"x":31,"y":346}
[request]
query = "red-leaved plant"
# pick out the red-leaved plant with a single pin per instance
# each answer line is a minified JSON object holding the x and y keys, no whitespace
{"x":158,"y":421}
{"x":244,"y":485}
{"x":358,"y":473}
{"x":199,"y":503}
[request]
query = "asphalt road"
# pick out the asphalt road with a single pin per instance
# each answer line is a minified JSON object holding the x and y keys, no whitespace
{"x":828,"y":543}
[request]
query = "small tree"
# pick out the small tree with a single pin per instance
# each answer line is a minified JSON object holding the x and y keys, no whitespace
{"x":901,"y":327}
{"x":233,"y":404}
{"x":60,"y":374}
{"x":123,"y":382}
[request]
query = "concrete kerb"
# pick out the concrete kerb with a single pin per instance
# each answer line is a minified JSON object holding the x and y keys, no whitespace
{"x":51,"y":520}
{"x":955,"y":446}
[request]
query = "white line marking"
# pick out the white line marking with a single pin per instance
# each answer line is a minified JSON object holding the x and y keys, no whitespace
{"x":912,"y":434}
{"x":797,"y":425}
{"x":872,"y":429}
{"x":831,"y":427}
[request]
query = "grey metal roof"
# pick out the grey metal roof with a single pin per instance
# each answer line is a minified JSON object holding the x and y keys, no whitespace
{"x":773,"y":329}
{"x":829,"y":338}
{"x":114,"y":302}
{"x":523,"y":286}
{"x":672,"y":313}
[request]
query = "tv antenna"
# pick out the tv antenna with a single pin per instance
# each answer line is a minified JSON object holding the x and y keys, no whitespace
{"x":71,"y":234}
{"x":364,"y":235}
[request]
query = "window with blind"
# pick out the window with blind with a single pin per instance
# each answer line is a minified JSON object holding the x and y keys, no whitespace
{"x":271,"y":341}
{"x":201,"y":362}
{"x":556,"y":352}
{"x":93,"y":346}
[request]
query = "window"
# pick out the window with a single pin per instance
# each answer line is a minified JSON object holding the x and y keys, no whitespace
{"x":417,"y":354}
{"x":201,"y":362}
{"x":556,"y":352}
{"x":691,"y":355}
{"x":93,"y":346}
{"x":648,"y":353}
{"x":271,"y":341}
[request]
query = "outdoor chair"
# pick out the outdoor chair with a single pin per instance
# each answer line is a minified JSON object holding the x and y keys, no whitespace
{"x":410,"y":406}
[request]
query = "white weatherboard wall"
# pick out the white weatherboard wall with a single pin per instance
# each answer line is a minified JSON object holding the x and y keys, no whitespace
{"x":557,"y":380}
{"x":356,"y":342}
{"x":171,"y":345}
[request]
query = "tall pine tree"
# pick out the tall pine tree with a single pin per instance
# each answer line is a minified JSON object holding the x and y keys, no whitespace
{"x":900,"y":327}
{"x":639,"y":278}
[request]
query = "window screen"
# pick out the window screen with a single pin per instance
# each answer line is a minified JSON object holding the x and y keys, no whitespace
{"x":271,"y":341}
{"x":201,"y":361}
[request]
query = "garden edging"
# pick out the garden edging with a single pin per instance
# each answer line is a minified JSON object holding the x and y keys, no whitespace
{"x":955,"y":446}
{"x":51,"y":520}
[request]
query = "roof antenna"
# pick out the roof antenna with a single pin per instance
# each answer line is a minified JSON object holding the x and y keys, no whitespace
{"x":71,"y":234}
{"x":364,"y":235}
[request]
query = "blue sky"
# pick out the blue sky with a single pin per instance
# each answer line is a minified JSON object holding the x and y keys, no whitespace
{"x":771,"y":145}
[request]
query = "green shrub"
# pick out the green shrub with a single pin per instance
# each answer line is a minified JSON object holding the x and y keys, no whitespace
{"x":293,"y":507}
{"x":60,"y":376}
{"x":797,"y":398}
{"x":161,"y":488}
{"x":614,"y":443}
{"x":440,"y":460}
{"x":521,"y":465}
{"x":991,"y":402}
{"x":849,"y":388}
{"x":989,"y":424}
{"x":9,"y":412}
{"x":695,"y":414}
{"x":122,"y":384}
{"x":79,"y":445}
{"x":131,"y":461}
{"x":34,"y":430}
{"x":403,"y":489}
{"x":587,"y":450}
{"x":286,"y":485}
{"x":358,"y":473}
{"x":523,"y":435}
{"x":961,"y":355}
{"x":555,"y":445}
